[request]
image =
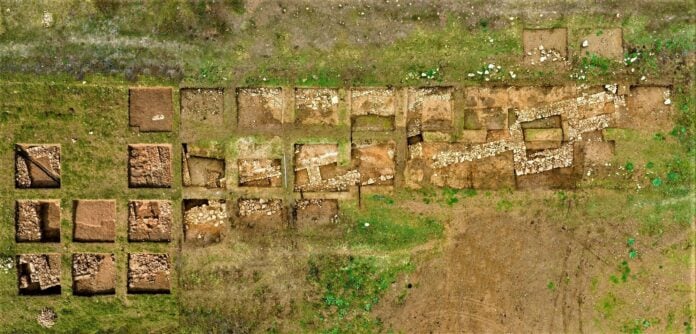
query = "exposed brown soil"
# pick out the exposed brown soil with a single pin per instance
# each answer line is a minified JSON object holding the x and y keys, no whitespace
{"x":150,"y":165}
{"x":316,"y":169}
{"x":316,"y":106}
{"x":37,"y":166}
{"x":429,"y":109}
{"x":262,"y":213}
{"x":149,"y":273}
{"x":151,"y":108}
{"x":545,"y":47}
{"x":205,"y":220}
{"x":310,"y":213}
{"x":375,"y":162}
{"x":94,"y":274}
{"x":38,"y":274}
{"x":149,"y":220}
{"x":373,"y":109}
{"x":647,"y":109}
{"x":259,"y":173}
{"x":94,"y":220}
{"x":260,"y":108}
{"x":37,"y":221}
{"x":606,"y":43}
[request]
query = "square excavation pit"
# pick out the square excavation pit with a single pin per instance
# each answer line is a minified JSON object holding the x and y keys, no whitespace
{"x":496,"y":172}
{"x":149,"y":273}
{"x":202,"y":170}
{"x":315,"y":212}
{"x":37,"y":221}
{"x":151,"y":108}
{"x":204,"y":220}
{"x":316,"y":106}
{"x":201,"y":106}
{"x":37,"y":166}
{"x":429,"y":109}
{"x":150,"y":165}
{"x":94,"y":220}
{"x":260,"y":108}
{"x":375,"y":162}
{"x":150,"y":220}
{"x":373,"y":109}
{"x":38,"y":274}
{"x":647,"y":109}
{"x":259,"y":173}
{"x":316,"y":169}
{"x":606,"y":43}
{"x":545,"y":46}
{"x":94,"y":274}
{"x":262,"y":213}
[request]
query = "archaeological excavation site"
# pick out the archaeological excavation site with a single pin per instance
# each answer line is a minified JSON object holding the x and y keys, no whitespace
{"x":378,"y":166}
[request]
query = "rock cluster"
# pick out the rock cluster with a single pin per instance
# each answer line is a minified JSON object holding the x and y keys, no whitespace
{"x":38,"y":272}
{"x":268,"y":207}
{"x":148,"y":272}
{"x":214,"y":213}
{"x":150,"y":165}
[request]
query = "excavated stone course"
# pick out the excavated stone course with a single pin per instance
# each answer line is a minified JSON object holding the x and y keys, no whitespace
{"x":149,"y":220}
{"x":38,"y":274}
{"x":37,"y":221}
{"x":94,"y":274}
{"x":37,"y":166}
{"x":149,"y":273}
{"x":150,"y":165}
{"x":205,"y":220}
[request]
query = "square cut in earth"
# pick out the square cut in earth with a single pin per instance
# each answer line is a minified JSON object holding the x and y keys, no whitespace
{"x":375,"y":162}
{"x":316,"y":169}
{"x":316,"y":106}
{"x":260,"y":108}
{"x":262,"y":213}
{"x":545,"y":46}
{"x":150,"y":220}
{"x":38,"y":274}
{"x":429,"y":109}
{"x":259,"y":173}
{"x":201,"y":105}
{"x":150,"y":165}
{"x":607,"y":43}
{"x":313,"y":212}
{"x":37,"y":221}
{"x":149,"y":273}
{"x":648,"y":110}
{"x":94,"y":274}
{"x":37,"y":166}
{"x":202,"y":170}
{"x":151,"y":108}
{"x":373,"y":109}
{"x":94,"y":220}
{"x":204,"y":220}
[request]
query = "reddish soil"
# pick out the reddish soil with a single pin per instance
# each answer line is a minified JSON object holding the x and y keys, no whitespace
{"x":646,"y":109}
{"x":94,"y":220}
{"x":150,"y":165}
{"x":149,"y":221}
{"x":151,"y":108}
{"x":94,"y":274}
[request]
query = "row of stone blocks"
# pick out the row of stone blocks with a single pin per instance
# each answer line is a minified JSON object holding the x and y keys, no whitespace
{"x":93,"y":273}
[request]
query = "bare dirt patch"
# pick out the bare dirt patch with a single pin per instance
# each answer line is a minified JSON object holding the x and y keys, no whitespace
{"x":606,"y":43}
{"x":316,"y":106}
{"x":202,"y":169}
{"x":149,"y":220}
{"x":260,"y":108}
{"x":94,"y":274}
{"x":375,"y":162}
{"x":429,"y":109}
{"x":316,"y":169}
{"x":310,"y":213}
{"x":259,"y":173}
{"x":150,"y":165}
{"x":205,"y":220}
{"x":201,"y":106}
{"x":151,"y":108}
{"x":37,"y":166}
{"x":373,"y":109}
{"x":38,"y":274}
{"x":547,"y":47}
{"x":94,"y":220}
{"x":648,"y":109}
{"x":149,"y":273}
{"x":37,"y":220}
{"x":262,"y":213}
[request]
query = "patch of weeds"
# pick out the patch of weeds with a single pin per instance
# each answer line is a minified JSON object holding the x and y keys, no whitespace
{"x":551,"y":286}
{"x":629,"y":167}
{"x":348,"y":288}
{"x":383,"y":226}
{"x":382,"y":198}
{"x":638,"y":326}
{"x":607,"y":305}
{"x":503,"y":205}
